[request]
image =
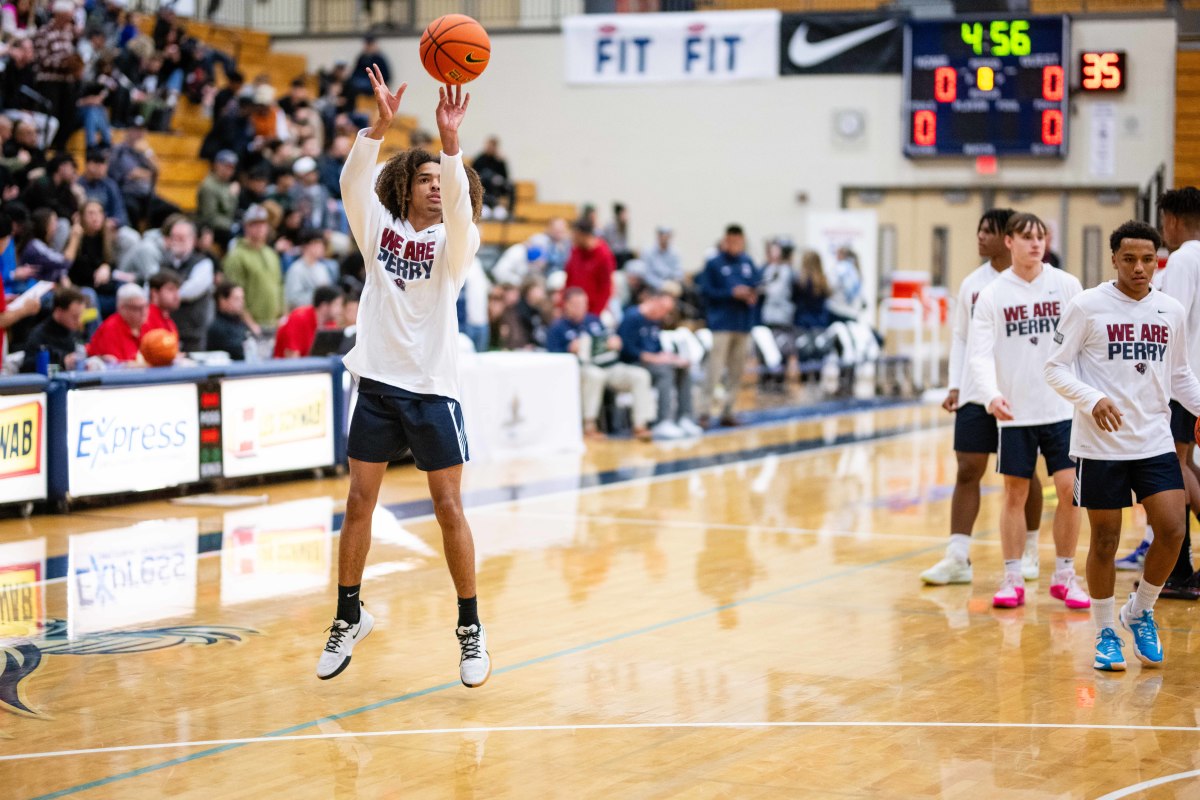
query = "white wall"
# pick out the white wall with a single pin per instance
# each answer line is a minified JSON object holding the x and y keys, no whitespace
{"x":698,"y":157}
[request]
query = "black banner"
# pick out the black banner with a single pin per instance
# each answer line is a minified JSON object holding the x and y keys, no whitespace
{"x":824,"y":45}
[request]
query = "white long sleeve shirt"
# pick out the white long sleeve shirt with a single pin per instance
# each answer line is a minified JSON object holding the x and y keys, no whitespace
{"x":1012,"y":334}
{"x":407,"y":318}
{"x":1181,"y":280}
{"x":1134,"y":353}
{"x":964,"y":310}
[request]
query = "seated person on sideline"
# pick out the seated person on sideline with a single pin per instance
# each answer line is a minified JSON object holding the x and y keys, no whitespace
{"x":164,"y":300}
{"x":600,"y":366}
{"x":60,"y":333}
{"x":228,"y":331}
{"x":671,"y":372}
{"x":296,"y":333}
{"x":118,"y":336}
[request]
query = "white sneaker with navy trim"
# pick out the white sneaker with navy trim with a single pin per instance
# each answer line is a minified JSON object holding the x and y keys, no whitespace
{"x":342,"y":638}
{"x":475,"y":664}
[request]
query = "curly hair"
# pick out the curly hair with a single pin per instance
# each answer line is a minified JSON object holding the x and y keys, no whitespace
{"x":394,"y":184}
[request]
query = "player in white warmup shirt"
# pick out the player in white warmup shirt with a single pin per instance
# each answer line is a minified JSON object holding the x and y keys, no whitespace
{"x":1012,"y":333}
{"x":1120,"y":356}
{"x":975,"y":433}
{"x":414,"y":221}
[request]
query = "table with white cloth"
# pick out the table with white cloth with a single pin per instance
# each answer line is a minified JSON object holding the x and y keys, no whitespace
{"x":520,"y":405}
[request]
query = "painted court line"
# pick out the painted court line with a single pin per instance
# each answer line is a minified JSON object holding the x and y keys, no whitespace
{"x":623,"y":726}
{"x":1144,"y":785}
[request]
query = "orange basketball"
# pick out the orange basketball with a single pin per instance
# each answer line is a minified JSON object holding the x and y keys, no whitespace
{"x":455,"y":49}
{"x":159,"y":347}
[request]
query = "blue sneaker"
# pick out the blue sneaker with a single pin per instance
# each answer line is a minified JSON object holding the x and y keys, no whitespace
{"x":1145,"y":634}
{"x":1133,"y":562}
{"x":1108,"y":652}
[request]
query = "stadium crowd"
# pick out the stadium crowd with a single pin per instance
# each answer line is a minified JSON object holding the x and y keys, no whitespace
{"x":93,"y":258}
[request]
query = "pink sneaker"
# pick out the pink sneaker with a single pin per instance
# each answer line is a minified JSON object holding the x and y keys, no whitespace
{"x":1010,"y":595}
{"x":1066,"y":588}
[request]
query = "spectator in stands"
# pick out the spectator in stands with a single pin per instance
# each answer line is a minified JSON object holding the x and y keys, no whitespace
{"x":556,"y":244}
{"x":846,"y":301}
{"x":225,"y":99}
{"x":729,"y":284}
{"x":16,"y":278}
{"x":493,"y":173}
{"x":164,"y":301}
{"x":133,"y":165}
{"x":232,"y":130}
{"x":59,"y":334}
{"x":616,"y":235}
{"x":55,"y":189}
{"x":600,"y":366}
{"x":330,"y":165}
{"x":217,"y":197}
{"x":104,"y":190}
{"x":778,"y":307}
{"x":296,"y":334}
{"x":9,"y":315}
{"x":591,"y":266}
{"x":357,"y":81}
{"x":17,"y":81}
{"x":58,"y":66}
{"x":254,"y":265}
{"x":661,"y":262}
{"x":641,"y":345}
{"x":228,"y":331}
{"x":255,"y":188}
{"x":117,"y":338}
{"x":22,"y":152}
{"x":523,"y":324}
{"x":16,"y":18}
{"x":92,"y":270}
{"x":36,"y":249}
{"x":520,"y":261}
{"x":267,"y":122}
{"x":309,"y":272}
{"x":95,"y":94}
{"x":811,"y":293}
{"x":309,"y":196}
{"x":195,"y":271}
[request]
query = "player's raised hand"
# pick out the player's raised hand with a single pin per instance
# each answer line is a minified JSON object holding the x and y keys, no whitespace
{"x":1000,"y":409}
{"x":452,"y":107}
{"x":386,"y":101}
{"x":1107,"y":415}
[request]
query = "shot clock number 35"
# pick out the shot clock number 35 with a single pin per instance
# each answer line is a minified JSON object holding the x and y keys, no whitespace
{"x":981,"y":87}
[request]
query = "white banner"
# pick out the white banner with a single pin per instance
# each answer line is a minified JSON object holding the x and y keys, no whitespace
{"x":132,"y":440}
{"x":22,"y":447}
{"x":276,"y":424}
{"x":129,"y":576}
{"x":656,"y":48}
{"x":272,"y":550}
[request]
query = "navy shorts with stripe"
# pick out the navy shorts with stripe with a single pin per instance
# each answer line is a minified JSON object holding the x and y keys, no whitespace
{"x":389,"y":422}
{"x":974,"y":430}
{"x":1019,"y":447}
{"x":1183,"y":424}
{"x":1109,"y":484}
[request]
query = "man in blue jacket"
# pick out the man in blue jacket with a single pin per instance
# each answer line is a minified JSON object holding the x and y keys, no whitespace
{"x":729,"y":285}
{"x":640,"y":344}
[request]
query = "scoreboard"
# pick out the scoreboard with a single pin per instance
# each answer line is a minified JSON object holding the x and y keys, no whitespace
{"x":985,"y":87}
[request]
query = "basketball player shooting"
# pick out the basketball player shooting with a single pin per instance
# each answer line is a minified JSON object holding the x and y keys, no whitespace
{"x":414,"y":220}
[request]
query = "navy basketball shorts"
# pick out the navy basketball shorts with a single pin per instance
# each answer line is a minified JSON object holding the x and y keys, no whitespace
{"x":1109,"y":484}
{"x":1183,"y":424}
{"x":974,"y":430}
{"x":386,"y":426}
{"x":1019,"y":448}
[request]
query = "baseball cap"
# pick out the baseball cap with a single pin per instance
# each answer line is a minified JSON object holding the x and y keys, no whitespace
{"x":304,"y":165}
{"x":255,"y":213}
{"x":227,"y":157}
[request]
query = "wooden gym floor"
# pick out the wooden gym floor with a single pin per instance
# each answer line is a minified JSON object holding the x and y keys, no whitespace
{"x":735,"y":618}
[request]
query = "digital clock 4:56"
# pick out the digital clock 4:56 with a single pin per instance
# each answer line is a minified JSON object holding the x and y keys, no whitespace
{"x":1003,"y":37}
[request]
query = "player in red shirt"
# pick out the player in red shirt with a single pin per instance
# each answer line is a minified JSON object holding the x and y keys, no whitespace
{"x":590,"y":267}
{"x":118,"y":336}
{"x":295,"y":336}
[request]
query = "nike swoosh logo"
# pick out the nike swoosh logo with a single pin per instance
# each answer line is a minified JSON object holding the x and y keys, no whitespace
{"x":470,"y":59}
{"x":804,"y":53}
{"x":352,"y":594}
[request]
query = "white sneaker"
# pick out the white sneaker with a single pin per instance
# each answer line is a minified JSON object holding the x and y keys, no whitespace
{"x":948,"y":570}
{"x":689,"y":427}
{"x":667,"y":430}
{"x":342,"y":638}
{"x":1030,"y":565}
{"x":475,"y":665}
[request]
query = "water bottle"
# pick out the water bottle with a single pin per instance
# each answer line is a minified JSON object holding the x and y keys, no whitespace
{"x":43,"y":361}
{"x":80,"y":356}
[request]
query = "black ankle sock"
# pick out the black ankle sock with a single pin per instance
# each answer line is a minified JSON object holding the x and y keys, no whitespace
{"x":468,"y":612}
{"x":348,"y":603}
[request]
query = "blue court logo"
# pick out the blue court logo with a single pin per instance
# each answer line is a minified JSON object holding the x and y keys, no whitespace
{"x":22,"y":657}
